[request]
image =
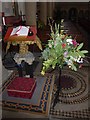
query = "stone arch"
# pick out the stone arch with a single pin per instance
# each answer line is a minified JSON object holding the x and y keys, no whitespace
{"x":73,"y":14}
{"x":81,"y":14}
{"x":86,"y":14}
{"x":64,"y":14}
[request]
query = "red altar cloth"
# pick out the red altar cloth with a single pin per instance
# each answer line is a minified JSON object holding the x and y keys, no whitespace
{"x":20,"y":38}
{"x":21,"y":87}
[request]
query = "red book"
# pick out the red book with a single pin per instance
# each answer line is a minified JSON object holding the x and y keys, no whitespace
{"x":21,"y":87}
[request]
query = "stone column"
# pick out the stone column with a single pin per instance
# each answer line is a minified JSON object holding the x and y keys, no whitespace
{"x":43,"y":12}
{"x":16,"y":8}
{"x":30,"y":10}
{"x":21,"y":8}
{"x":50,"y":9}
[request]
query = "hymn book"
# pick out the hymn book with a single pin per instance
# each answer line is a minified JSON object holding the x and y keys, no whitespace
{"x":20,"y":31}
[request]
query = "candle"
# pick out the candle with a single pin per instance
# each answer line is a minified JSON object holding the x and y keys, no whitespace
{"x":4,"y":20}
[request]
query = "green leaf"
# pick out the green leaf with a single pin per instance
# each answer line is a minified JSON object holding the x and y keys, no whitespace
{"x":84,"y":51}
{"x":81,"y":54}
{"x":74,"y":67}
{"x":54,"y":64}
{"x":76,"y":54}
{"x":80,"y":46}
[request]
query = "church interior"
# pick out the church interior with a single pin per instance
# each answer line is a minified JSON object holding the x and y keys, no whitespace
{"x":26,"y":30}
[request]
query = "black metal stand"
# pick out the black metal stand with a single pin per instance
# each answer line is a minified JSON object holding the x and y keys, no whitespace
{"x":20,"y":72}
{"x":56,"y":97}
{"x":28,"y":69}
{"x":4,"y":30}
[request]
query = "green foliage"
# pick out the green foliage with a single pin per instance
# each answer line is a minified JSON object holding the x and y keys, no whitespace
{"x":41,"y":25}
{"x":62,"y":50}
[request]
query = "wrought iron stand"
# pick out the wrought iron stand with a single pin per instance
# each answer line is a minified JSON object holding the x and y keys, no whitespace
{"x":28,"y":69}
{"x":56,"y":96}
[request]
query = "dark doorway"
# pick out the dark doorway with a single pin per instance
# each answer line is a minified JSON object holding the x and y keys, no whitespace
{"x":73,"y":14}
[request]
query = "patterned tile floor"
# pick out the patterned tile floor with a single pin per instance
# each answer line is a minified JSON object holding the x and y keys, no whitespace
{"x":75,"y":100}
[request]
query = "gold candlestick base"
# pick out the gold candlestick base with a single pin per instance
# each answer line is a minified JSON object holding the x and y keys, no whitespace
{"x":23,"y":48}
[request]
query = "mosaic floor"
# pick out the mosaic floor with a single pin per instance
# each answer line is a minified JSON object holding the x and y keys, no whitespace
{"x":73,"y":97}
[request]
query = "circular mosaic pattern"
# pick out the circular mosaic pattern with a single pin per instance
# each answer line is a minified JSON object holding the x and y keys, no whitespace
{"x":78,"y":83}
{"x":73,"y":97}
{"x":73,"y":87}
{"x":67,"y":82}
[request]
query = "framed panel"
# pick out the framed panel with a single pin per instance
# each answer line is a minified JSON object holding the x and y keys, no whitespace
{"x":8,"y":8}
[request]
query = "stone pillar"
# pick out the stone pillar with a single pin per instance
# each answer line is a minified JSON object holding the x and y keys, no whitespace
{"x":53,"y":5}
{"x":43,"y":12}
{"x":16,"y":8}
{"x":30,"y":10}
{"x":50,"y":9}
{"x":21,"y":8}
{"x":53,"y":8}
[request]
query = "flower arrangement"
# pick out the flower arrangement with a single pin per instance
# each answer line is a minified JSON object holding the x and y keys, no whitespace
{"x":62,"y":50}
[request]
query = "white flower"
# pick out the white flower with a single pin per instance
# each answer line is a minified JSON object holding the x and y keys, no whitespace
{"x":69,"y":62}
{"x":50,"y":45}
{"x":58,"y":34}
{"x":69,"y":66}
{"x":80,"y":60}
{"x":69,"y":41}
